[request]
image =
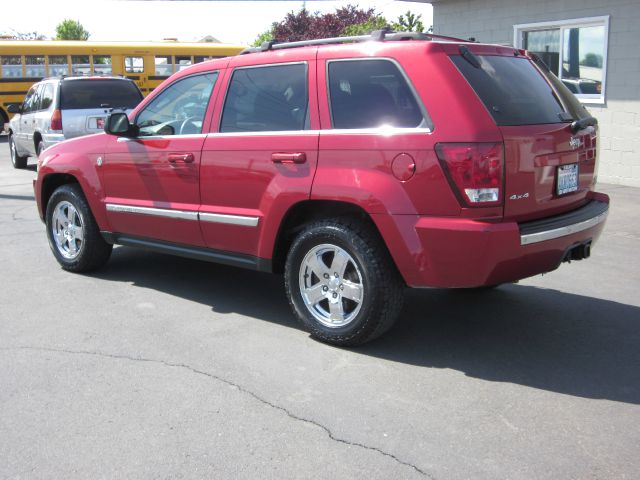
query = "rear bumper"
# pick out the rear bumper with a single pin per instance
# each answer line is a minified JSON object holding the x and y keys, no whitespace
{"x":457,"y":252}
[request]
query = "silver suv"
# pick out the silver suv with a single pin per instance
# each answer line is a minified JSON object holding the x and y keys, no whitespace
{"x":56,"y":109}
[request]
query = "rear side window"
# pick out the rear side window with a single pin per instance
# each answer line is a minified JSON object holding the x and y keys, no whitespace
{"x":370,"y":94}
{"x":81,"y":94}
{"x":267,"y":99}
{"x":512,"y":89}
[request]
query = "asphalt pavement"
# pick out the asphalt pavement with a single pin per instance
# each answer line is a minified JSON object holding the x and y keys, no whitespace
{"x":159,"y":367}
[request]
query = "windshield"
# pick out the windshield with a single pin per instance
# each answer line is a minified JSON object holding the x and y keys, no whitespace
{"x":85,"y":94}
{"x":513,"y":90}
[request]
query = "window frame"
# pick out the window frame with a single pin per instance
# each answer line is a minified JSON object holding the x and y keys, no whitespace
{"x":428,"y":127}
{"x":564,"y":25}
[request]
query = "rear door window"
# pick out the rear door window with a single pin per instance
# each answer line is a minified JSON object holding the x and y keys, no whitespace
{"x":97,"y":93}
{"x":512,"y":90}
{"x":267,"y":99}
{"x":372,"y":93}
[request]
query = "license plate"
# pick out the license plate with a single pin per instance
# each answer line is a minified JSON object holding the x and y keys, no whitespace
{"x":567,"y":178}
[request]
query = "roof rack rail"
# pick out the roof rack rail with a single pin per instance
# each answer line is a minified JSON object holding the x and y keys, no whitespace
{"x":376,"y":36}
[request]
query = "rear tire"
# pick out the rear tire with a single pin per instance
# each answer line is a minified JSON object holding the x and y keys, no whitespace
{"x":17,"y":160}
{"x":341,"y":282}
{"x":74,"y":236}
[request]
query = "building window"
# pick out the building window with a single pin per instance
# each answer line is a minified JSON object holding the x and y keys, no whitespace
{"x":575,"y":50}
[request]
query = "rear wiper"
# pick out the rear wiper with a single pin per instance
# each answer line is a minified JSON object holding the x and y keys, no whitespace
{"x":583,"y":123}
{"x":469,"y":57}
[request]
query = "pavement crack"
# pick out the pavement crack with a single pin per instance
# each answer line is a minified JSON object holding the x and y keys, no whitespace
{"x":332,"y":436}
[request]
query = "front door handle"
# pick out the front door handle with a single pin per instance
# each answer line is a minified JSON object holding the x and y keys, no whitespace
{"x":299,"y":157}
{"x":181,"y":157}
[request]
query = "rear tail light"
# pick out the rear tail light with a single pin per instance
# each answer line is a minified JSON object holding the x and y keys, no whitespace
{"x":56,"y":120}
{"x":475,"y":170}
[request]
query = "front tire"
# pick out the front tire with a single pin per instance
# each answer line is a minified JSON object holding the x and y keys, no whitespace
{"x":341,"y":282}
{"x":17,"y":160}
{"x":74,"y":236}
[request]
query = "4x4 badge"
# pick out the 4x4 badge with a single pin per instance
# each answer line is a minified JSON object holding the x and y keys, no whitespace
{"x":575,"y":142}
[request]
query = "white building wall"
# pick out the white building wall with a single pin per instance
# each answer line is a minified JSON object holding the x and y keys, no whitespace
{"x":492,"y":21}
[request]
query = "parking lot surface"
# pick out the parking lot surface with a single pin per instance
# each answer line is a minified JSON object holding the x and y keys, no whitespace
{"x":163,"y":367}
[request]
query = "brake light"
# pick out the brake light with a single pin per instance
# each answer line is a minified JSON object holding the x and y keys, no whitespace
{"x":475,"y":170}
{"x":56,"y":120}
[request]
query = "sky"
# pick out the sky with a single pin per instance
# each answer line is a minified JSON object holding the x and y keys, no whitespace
{"x":133,"y":20}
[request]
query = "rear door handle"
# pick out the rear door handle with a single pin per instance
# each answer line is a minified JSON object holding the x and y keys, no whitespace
{"x":181,"y":157}
{"x":299,"y":157}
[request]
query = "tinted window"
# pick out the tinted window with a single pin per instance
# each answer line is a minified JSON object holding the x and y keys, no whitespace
{"x":266,"y":99}
{"x":512,"y":89}
{"x":371,"y":93}
{"x":179,"y":109}
{"x":79,"y":94}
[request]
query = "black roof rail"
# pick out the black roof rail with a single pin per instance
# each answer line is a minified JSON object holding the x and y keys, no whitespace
{"x":376,"y":36}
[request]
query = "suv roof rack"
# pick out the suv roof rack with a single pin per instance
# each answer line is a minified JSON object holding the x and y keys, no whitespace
{"x":376,"y":36}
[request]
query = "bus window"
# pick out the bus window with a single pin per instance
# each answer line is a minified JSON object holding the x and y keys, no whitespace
{"x":80,"y":65}
{"x":134,"y":64}
{"x":58,"y":65}
{"x":163,"y":66}
{"x":35,"y":66}
{"x":102,"y":65}
{"x":11,"y":66}
{"x":182,"y":62}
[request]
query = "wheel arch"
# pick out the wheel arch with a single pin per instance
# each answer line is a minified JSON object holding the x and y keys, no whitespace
{"x":305,"y":212}
{"x":52,"y":182}
{"x":37,"y":137}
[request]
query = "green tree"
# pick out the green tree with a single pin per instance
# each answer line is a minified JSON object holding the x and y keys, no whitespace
{"x":265,"y":36}
{"x":71,"y":30}
{"x":25,"y":35}
{"x":365,"y":28}
{"x":409,"y":22}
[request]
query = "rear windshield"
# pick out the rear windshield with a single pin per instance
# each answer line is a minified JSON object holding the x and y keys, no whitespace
{"x":512,"y":89}
{"x":81,"y":94}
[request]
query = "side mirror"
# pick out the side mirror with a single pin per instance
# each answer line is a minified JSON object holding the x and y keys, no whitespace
{"x":118,"y":124}
{"x":14,"y":108}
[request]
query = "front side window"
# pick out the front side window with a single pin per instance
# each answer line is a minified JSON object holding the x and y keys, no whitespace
{"x":102,"y":65}
{"x":180,"y":108}
{"x":265,"y":99}
{"x":34,"y":66}
{"x":370,"y":94}
{"x":134,"y":64}
{"x":58,"y":65}
{"x":574,"y":50}
{"x":30,"y":100}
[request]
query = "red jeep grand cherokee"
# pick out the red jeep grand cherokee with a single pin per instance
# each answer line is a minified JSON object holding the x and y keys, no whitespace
{"x":355,"y":166}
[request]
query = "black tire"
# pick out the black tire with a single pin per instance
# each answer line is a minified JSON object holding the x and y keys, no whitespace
{"x":17,"y":160}
{"x":39,"y":148}
{"x":73,"y":254}
{"x":369,"y":269}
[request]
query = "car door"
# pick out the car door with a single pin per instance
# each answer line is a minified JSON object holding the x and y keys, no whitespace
{"x":152,"y":181}
{"x":262,"y":159}
{"x":24,"y":137}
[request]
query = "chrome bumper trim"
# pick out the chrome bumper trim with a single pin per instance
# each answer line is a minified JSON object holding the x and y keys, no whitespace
{"x":563,"y":231}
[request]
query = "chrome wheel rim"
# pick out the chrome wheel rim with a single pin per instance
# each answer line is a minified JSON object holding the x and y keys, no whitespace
{"x":331,"y":285}
{"x":12,"y":148}
{"x":67,"y":230}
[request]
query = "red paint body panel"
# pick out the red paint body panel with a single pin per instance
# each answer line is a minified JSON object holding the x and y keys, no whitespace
{"x":432,"y":238}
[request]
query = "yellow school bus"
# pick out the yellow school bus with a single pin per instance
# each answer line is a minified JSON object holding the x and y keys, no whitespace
{"x":22,"y":63}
